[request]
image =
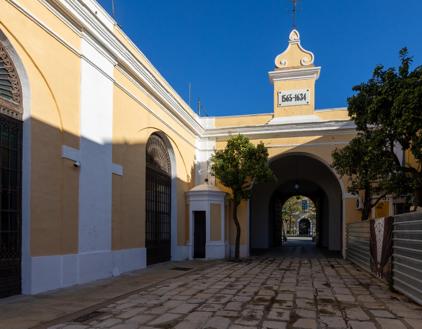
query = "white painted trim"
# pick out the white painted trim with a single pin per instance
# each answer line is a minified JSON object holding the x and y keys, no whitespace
{"x":117,"y":169}
{"x":324,"y":127}
{"x":201,"y":201}
{"x":95,"y":155}
{"x":349,"y":195}
{"x":60,"y":271}
{"x":180,"y":253}
{"x":306,"y":73}
{"x":305,"y":145}
{"x":148,"y":76}
{"x":71,"y":11}
{"x":70,"y":153}
{"x":295,"y":119}
{"x":215,"y":250}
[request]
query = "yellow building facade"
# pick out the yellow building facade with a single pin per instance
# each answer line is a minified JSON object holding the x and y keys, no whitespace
{"x":108,"y":155}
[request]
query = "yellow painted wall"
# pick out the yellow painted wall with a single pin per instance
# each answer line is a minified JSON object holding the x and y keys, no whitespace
{"x":54,"y":107}
{"x":382,"y":209}
{"x":215,"y":216}
{"x":333,"y":115}
{"x":352,"y":213}
{"x":242,"y":120}
{"x":132,"y":126}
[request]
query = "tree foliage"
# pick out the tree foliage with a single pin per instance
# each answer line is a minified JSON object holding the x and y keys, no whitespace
{"x":240,"y":165}
{"x":366,"y":164}
{"x":387,"y":111}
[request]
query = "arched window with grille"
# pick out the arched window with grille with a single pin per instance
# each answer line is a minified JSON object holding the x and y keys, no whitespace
{"x":158,"y":201}
{"x":10,"y":176}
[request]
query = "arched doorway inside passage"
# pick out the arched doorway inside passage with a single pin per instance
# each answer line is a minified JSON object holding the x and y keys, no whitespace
{"x":298,"y":174}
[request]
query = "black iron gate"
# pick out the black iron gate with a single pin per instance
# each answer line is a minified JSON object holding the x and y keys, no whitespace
{"x":158,"y":202}
{"x":10,"y":205}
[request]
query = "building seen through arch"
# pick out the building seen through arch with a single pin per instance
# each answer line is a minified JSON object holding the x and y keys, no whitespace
{"x":298,"y":216}
{"x":105,"y":168}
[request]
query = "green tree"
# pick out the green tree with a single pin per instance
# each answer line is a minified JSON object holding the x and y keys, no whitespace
{"x":389,"y":107}
{"x":366,"y":164}
{"x":289,"y":213}
{"x":238,"y":167}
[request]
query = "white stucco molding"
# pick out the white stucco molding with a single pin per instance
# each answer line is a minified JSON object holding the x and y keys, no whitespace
{"x":80,"y":16}
{"x":295,"y":74}
{"x":324,"y":127}
{"x":117,"y":169}
{"x":73,"y":154}
{"x":81,"y":13}
{"x":70,"y":153}
{"x":295,"y":119}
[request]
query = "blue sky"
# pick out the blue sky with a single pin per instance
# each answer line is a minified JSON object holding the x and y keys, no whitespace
{"x":225,"y":48}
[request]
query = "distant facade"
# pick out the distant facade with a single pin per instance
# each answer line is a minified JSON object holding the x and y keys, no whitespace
{"x":101,"y":159}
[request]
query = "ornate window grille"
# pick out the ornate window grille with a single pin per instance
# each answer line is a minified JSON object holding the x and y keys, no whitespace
{"x":158,"y":201}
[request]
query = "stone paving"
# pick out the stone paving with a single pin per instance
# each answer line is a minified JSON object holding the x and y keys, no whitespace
{"x":262,"y":292}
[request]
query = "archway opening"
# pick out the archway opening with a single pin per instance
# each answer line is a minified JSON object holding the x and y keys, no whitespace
{"x":11,"y":130}
{"x":158,"y":201}
{"x":298,"y":218}
{"x":300,"y":177}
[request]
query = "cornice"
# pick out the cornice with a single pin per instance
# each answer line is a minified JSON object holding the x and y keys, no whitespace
{"x":326,"y":127}
{"x":295,"y":74}
{"x":76,"y":11}
{"x":98,"y":33}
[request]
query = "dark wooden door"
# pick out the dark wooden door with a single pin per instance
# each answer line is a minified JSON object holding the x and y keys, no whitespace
{"x":10,"y":206}
{"x":200,"y":236}
{"x":304,"y":227}
{"x":158,"y":216}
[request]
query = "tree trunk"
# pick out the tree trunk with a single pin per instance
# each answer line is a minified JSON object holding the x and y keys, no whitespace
{"x":366,"y":211}
{"x":236,"y":222}
{"x":418,"y":197}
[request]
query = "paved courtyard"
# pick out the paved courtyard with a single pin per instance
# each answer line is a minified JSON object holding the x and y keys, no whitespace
{"x":295,"y":289}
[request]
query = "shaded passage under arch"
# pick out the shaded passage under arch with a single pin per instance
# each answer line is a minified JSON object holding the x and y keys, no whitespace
{"x":297,"y":174}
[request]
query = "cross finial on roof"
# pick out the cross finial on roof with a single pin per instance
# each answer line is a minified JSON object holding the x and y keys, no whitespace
{"x":294,"y":12}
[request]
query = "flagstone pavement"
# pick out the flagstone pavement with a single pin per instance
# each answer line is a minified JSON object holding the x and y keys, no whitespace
{"x":297,"y":287}
{"x":268,"y":291}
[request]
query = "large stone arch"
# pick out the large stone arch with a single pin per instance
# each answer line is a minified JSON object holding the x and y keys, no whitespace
{"x":298,"y":174}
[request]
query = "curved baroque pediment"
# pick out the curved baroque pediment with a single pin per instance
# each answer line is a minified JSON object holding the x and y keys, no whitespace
{"x":294,"y":56}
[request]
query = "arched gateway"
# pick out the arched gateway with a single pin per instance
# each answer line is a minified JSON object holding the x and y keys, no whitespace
{"x":158,"y":201}
{"x":300,"y":140}
{"x":10,"y":176}
{"x":297,"y":174}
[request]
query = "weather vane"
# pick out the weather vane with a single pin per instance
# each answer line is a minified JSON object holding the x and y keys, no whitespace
{"x":294,"y":12}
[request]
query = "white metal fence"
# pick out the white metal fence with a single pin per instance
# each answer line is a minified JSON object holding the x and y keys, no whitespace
{"x":358,"y":244}
{"x":407,"y":255}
